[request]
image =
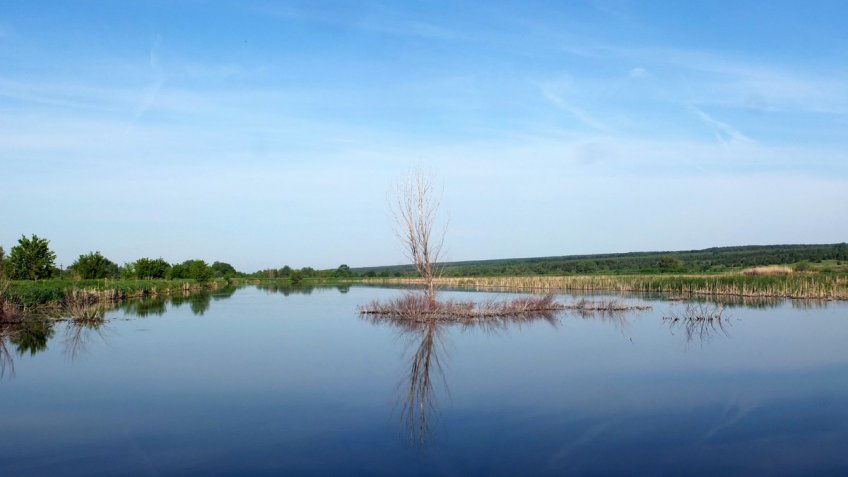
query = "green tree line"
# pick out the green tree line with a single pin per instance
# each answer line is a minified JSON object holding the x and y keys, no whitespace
{"x":32,"y":259}
{"x":694,"y":261}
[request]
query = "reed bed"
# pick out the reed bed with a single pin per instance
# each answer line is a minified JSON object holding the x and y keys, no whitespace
{"x":9,"y":312}
{"x":768,"y":270}
{"x":418,"y":308}
{"x":608,"y":306}
{"x":29,"y":295}
{"x":798,"y":285}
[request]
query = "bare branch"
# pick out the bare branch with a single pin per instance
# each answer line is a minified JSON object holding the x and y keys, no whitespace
{"x":415,"y":211}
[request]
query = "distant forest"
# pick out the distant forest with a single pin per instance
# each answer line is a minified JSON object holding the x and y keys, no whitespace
{"x":716,"y":259}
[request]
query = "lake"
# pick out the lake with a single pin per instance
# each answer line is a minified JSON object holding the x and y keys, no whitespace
{"x":294,"y":382}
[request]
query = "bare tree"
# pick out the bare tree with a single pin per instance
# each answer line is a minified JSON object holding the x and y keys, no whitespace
{"x":415,"y":210}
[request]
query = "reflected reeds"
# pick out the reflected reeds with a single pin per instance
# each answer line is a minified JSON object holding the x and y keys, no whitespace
{"x":424,"y":324}
{"x":86,"y":322}
{"x":701,"y":321}
{"x":79,"y":334}
{"x":7,"y":361}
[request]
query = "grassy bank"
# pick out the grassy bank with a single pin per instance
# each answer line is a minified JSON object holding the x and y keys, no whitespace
{"x":29,"y":294}
{"x":813,"y":285}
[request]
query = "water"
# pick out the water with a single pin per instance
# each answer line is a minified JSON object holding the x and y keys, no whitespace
{"x":259,"y":382}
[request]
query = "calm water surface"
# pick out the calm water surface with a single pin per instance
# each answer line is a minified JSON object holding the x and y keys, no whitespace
{"x":258,"y":382}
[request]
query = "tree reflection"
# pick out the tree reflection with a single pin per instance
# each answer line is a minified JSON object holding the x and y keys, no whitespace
{"x":419,"y":400}
{"x":287,"y":289}
{"x":28,"y":336}
{"x":32,"y":336}
{"x":200,"y":303}
{"x":424,"y":380}
{"x":144,"y":307}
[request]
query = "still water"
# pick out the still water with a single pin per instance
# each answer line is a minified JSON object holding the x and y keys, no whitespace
{"x":277,"y":382}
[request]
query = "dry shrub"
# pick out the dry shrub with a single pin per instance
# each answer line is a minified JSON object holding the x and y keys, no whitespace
{"x":770,"y":270}
{"x":418,"y":307}
{"x":9,"y":312}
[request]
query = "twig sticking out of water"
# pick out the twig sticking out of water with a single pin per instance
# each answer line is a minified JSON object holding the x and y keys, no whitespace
{"x":702,"y":320}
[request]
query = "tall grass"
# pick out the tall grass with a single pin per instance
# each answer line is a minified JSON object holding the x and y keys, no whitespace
{"x":797,"y":285}
{"x":29,"y":294}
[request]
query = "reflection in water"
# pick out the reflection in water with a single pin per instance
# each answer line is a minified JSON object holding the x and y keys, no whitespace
{"x":32,"y":336}
{"x":419,"y":400}
{"x":28,"y":337}
{"x":86,"y":321}
{"x":618,"y":319}
{"x":418,"y":392}
{"x":734,"y":301}
{"x":703,"y":321}
{"x":80,"y":333}
{"x":425,"y":380}
{"x":287,"y":289}
{"x":144,"y":307}
{"x":7,"y":362}
{"x":223,"y":293}
{"x":200,"y":303}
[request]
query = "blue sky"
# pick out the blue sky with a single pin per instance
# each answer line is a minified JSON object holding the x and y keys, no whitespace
{"x":270,"y":133}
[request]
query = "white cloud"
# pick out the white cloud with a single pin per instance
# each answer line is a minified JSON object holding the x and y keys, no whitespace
{"x":639,"y":73}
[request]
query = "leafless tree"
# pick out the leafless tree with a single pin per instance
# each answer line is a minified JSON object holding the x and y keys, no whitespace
{"x":415,"y":209}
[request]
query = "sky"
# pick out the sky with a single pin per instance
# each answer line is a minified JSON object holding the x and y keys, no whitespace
{"x":265,"y":133}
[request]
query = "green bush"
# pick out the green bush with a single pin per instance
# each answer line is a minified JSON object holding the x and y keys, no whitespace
{"x":31,"y":259}
{"x":94,"y":265}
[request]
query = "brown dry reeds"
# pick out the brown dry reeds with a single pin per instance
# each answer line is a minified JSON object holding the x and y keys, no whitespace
{"x":607,"y":306}
{"x":795,"y":286}
{"x":769,"y":270}
{"x":9,"y":312}
{"x":418,"y":307}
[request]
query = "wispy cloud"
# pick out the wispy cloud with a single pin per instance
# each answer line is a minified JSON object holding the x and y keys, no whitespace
{"x":578,"y":113}
{"x":639,"y":72}
{"x":725,"y":133}
{"x":152,"y":91}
